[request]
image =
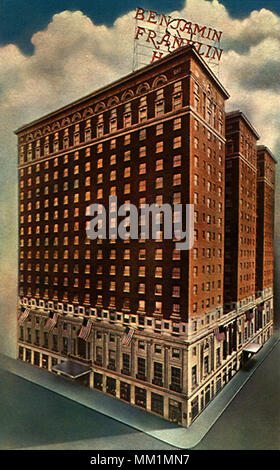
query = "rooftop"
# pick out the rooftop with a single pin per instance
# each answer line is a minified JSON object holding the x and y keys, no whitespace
{"x":177,"y":53}
{"x":240,"y":114}
{"x":263,"y":148}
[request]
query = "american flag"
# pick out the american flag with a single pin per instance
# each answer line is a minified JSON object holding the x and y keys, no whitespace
{"x":219,"y":336}
{"x":24,"y":314}
{"x":249,"y":315}
{"x":127,"y":337}
{"x":51,"y":321}
{"x":85,"y":329}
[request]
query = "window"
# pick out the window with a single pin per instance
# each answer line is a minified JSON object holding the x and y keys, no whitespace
{"x":177,"y":160}
{"x":177,"y":179}
{"x":175,"y":377}
{"x":113,"y":124}
{"x":140,"y":397}
{"x":158,"y":271}
{"x":159,"y":183}
{"x":142,"y":168}
{"x":141,"y":288}
{"x":177,"y":123}
{"x":141,"y":306}
{"x":159,"y":165}
{"x":143,"y":112}
{"x":158,"y":254}
{"x":113,"y":159}
{"x":127,"y":156}
{"x":99,"y":194}
{"x":158,"y":289}
{"x":177,"y":142}
{"x":159,"y":146}
{"x":126,"y":363}
{"x":194,"y":375}
{"x":206,"y":365}
{"x":99,"y":130}
{"x":127,"y":120}
{"x":141,"y":363}
{"x":127,"y":139}
{"x":142,"y":151}
{"x":126,"y":188}
{"x":142,"y":271}
{"x":177,"y":198}
{"x":127,"y":172}
{"x":142,"y":185}
{"x":158,"y":374}
{"x":176,"y":273}
{"x":126,"y":271}
{"x":176,"y":291}
{"x":159,"y":129}
{"x":159,"y":107}
{"x":177,"y":96}
{"x":142,"y":254}
{"x":126,"y":287}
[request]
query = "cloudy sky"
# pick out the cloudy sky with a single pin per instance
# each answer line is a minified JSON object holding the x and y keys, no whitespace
{"x":56,"y":51}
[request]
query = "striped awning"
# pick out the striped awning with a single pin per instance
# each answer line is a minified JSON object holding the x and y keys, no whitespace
{"x":72,"y":369}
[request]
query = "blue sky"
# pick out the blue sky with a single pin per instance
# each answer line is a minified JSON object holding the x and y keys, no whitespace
{"x":20,"y":19}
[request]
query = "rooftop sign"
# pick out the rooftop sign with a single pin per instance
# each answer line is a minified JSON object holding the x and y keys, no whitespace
{"x":162,"y":34}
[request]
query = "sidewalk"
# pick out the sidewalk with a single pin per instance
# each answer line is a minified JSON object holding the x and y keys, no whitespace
{"x":134,"y":417}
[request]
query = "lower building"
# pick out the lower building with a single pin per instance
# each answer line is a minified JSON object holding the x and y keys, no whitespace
{"x":165,"y":368}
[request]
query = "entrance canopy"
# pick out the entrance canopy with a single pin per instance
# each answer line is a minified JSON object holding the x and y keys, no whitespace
{"x":252,"y":348}
{"x":72,"y":369}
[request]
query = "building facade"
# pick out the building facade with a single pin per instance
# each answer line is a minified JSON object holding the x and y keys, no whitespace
{"x":265,"y":221}
{"x":241,"y":210}
{"x":137,"y":319}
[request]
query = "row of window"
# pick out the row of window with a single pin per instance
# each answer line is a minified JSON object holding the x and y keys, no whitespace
{"x":142,"y":135}
{"x":127,"y":189}
{"x":114,"y":254}
{"x":207,"y":303}
{"x":126,"y":173}
{"x":158,"y":305}
{"x":208,"y":269}
{"x":61,"y":140}
{"x":126,"y":270}
{"x":196,"y":179}
{"x":208,"y":286}
{"x":205,"y":252}
{"x":159,"y":165}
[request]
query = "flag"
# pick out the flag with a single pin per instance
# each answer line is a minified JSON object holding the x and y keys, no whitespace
{"x":51,"y":321}
{"x":249,"y":315}
{"x":23,"y":315}
{"x":219,"y":336}
{"x":85,"y":329}
{"x":127,"y":337}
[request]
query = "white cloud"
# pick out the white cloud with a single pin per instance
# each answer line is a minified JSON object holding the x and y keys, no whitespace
{"x":73,"y":56}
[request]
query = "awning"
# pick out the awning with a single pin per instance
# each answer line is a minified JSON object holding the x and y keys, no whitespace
{"x":72,"y":369}
{"x":252,"y":347}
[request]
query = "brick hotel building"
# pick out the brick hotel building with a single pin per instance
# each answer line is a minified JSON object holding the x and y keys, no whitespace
{"x":158,"y":136}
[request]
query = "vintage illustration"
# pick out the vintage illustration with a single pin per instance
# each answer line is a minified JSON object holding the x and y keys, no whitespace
{"x":138,"y":205}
